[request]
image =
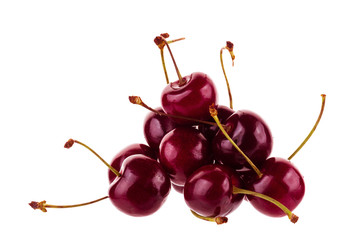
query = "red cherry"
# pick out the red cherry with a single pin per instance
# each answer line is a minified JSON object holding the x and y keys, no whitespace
{"x":141,"y":188}
{"x":190,"y":97}
{"x":136,"y":148}
{"x":209,"y":131}
{"x":282,"y":181}
{"x":209,"y":191}
{"x":250,"y":133}
{"x":182,"y":151}
{"x":156,"y":126}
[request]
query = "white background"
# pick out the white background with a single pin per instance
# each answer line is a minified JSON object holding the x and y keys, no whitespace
{"x":67,"y":68}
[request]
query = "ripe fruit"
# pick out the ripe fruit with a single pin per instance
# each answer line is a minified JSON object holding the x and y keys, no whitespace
{"x":209,"y":191}
{"x":136,"y":148}
{"x":282,"y":181}
{"x":156,"y":127}
{"x":182,"y":151}
{"x":250,"y":133}
{"x":209,"y":131}
{"x":141,"y":188}
{"x":190,"y":97}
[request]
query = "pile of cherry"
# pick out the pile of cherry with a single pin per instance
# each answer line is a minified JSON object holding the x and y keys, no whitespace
{"x":215,"y":156}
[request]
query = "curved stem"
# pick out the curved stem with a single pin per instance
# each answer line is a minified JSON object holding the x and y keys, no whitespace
{"x":69,"y":144}
{"x":161,"y":44}
{"x":213,"y":113}
{"x":218,"y":220}
{"x":293,"y":218}
{"x":229,"y":46}
{"x":181,"y":81}
{"x":137,"y":100}
{"x":323,"y":96}
{"x":42,"y":205}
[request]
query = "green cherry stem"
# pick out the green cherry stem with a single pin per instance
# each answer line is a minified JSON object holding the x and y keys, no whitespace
{"x":71,"y":142}
{"x":323,"y":96}
{"x":213,"y":113}
{"x":217,"y":220}
{"x":159,"y":41}
{"x":229,"y":46}
{"x":293,"y":218}
{"x":43,"y":205}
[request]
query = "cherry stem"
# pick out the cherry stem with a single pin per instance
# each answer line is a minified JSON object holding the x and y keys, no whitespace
{"x":323,"y":96}
{"x":42,"y":205}
{"x":160,"y":43}
{"x":71,"y":142}
{"x":218,"y":220}
{"x":137,"y":100}
{"x":213,"y":113}
{"x":293,"y":218}
{"x":162,"y":40}
{"x":229,"y":46}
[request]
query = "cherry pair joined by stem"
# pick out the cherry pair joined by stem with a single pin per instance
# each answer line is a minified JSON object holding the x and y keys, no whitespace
{"x":141,"y":185}
{"x":214,"y":191}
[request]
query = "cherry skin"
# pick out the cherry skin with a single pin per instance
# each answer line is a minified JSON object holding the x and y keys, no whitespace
{"x":282,"y":181}
{"x":156,"y":127}
{"x":179,"y":189}
{"x":136,"y":148}
{"x":182,"y":151}
{"x":141,"y":188}
{"x":209,"y":131}
{"x":250,"y":132}
{"x":190,"y":97}
{"x":209,"y":191}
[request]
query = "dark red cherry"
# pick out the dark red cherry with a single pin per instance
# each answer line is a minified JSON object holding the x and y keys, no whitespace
{"x":155,"y":128}
{"x":250,"y":132}
{"x":190,"y":97}
{"x":282,"y":181}
{"x":209,"y":131}
{"x":136,"y":148}
{"x":182,"y":151}
{"x":209,"y":191}
{"x":141,"y":188}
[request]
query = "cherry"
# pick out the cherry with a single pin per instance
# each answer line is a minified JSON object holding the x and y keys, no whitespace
{"x":209,"y":131}
{"x":182,"y":151}
{"x":282,"y":181}
{"x":189,"y":96}
{"x":141,"y":188}
{"x":141,"y":185}
{"x":209,"y":191}
{"x":250,"y":133}
{"x":156,"y":126}
{"x":136,"y":148}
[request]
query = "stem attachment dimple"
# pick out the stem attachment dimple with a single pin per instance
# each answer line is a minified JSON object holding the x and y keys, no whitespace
{"x":323,"y":97}
{"x":213,"y":113}
{"x":217,"y":220}
{"x":43,"y":205}
{"x":230,"y":47}
{"x":71,"y":142}
{"x":293,"y":218}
